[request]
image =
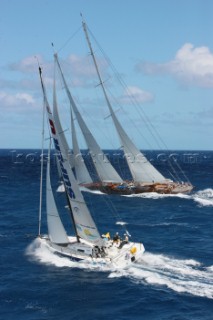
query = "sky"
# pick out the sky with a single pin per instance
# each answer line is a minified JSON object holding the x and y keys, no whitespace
{"x":161,"y":49}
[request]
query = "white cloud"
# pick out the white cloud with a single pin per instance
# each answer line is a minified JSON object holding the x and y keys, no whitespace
{"x":137,"y":94}
{"x":191,"y":66}
{"x":28,"y":64}
{"x":18,"y":100}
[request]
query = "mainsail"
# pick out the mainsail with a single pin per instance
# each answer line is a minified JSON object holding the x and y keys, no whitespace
{"x":61,"y":131}
{"x":83,"y":222}
{"x":75,"y":159}
{"x":104,"y":169}
{"x":141,"y":169}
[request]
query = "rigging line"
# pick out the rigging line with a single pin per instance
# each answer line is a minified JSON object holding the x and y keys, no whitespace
{"x":146,"y":120}
{"x":150,"y":127}
{"x":148,"y":123}
{"x":113,"y":209}
{"x":118,"y":103}
{"x":125,"y":88}
{"x":69,"y":39}
{"x":97,"y":69}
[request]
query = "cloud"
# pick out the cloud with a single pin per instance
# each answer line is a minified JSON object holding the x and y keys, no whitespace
{"x":137,"y":94}
{"x":191,"y":66}
{"x":27,"y":65}
{"x":15,"y":102}
{"x":194,"y":119}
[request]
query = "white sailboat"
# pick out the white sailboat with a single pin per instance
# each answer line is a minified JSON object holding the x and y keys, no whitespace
{"x":86,"y":244}
{"x":145,"y":177}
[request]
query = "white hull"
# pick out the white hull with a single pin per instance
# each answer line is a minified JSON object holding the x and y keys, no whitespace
{"x":112,"y":255}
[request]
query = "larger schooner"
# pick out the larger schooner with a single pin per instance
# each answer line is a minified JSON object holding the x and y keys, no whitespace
{"x":145,"y":177}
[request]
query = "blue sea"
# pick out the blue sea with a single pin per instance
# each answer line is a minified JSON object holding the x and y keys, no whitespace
{"x":173,"y":280}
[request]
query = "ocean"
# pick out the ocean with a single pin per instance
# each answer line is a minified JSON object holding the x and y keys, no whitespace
{"x":173,"y":280}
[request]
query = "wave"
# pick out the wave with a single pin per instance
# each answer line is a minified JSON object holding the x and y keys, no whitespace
{"x":203,"y":197}
{"x":121,"y":223}
{"x":182,"y":276}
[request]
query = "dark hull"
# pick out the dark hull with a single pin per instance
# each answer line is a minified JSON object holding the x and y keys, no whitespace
{"x":133,"y":188}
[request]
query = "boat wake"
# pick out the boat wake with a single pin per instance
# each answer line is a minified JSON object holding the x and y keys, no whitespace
{"x":182,"y":276}
{"x":39,"y":251}
{"x":203,"y":197}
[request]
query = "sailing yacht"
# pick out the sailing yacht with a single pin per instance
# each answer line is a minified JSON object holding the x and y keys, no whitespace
{"x":87,"y":244}
{"x":145,"y":177}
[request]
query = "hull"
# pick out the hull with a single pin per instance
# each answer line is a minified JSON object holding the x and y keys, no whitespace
{"x":128,"y":188}
{"x":113,"y":254}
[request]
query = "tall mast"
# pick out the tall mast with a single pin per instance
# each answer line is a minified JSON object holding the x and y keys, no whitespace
{"x":95,"y":63}
{"x":42,"y":165}
{"x":141,"y":169}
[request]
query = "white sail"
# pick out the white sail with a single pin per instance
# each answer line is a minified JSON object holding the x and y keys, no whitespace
{"x":81,"y":172}
{"x":84,"y":225}
{"x":61,"y":132}
{"x":105,"y":170}
{"x":56,"y":231}
{"x":141,"y":169}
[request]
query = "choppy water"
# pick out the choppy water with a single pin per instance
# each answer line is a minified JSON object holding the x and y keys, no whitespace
{"x":173,"y":280}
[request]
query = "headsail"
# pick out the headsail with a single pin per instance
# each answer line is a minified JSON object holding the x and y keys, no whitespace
{"x":84,"y":225}
{"x":105,"y":170}
{"x":141,"y":169}
{"x":82,"y":174}
{"x":56,"y":231}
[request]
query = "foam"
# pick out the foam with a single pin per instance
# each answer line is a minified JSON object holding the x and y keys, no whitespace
{"x":121,"y":223}
{"x":38,"y":251}
{"x":203,"y":197}
{"x":180,"y":275}
{"x":183,"y":276}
